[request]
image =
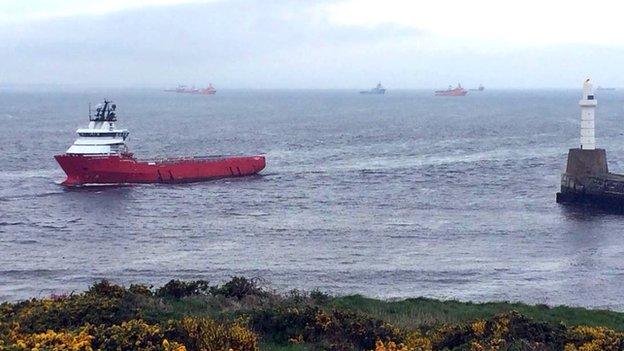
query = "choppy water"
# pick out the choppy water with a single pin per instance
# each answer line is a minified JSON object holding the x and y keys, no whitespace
{"x":396,"y":195}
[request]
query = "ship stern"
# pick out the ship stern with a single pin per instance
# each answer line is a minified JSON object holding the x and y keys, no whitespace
{"x":259,"y":163}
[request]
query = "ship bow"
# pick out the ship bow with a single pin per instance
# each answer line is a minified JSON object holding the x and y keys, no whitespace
{"x":70,"y":167}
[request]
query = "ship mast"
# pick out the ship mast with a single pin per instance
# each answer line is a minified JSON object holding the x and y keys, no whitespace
{"x":588,"y":106}
{"x":105,"y":112}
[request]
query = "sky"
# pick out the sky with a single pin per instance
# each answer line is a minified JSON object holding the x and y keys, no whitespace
{"x":334,"y":44}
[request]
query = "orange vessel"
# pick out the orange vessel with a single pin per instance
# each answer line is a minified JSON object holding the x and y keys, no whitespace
{"x":100,"y":156}
{"x":457,"y":91}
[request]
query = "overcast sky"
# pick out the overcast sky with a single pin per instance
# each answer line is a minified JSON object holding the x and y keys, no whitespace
{"x":307,"y":44}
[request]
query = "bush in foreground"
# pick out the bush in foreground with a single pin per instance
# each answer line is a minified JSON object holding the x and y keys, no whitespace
{"x":334,"y":329}
{"x":240,"y":315}
{"x":187,"y":334}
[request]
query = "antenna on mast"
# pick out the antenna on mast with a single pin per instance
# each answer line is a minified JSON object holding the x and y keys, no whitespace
{"x":89,"y":110}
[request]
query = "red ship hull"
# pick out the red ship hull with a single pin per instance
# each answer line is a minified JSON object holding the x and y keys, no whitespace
{"x":119,"y":169}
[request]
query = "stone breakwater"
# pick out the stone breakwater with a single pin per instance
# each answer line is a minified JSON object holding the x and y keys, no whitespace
{"x":587,"y":180}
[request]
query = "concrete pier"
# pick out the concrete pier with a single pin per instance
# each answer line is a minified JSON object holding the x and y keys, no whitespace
{"x":587,"y":180}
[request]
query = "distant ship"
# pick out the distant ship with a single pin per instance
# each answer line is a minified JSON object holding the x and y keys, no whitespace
{"x":379,"y":89}
{"x":100,"y":156}
{"x":183,"y":89}
{"x":457,"y":91}
{"x":608,"y":89}
{"x":480,"y":88}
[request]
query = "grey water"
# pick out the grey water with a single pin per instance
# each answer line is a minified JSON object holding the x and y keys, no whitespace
{"x":395,"y":195}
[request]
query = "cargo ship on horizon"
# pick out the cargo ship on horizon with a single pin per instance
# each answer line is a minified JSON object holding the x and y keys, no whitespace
{"x":457,"y":91}
{"x":605,"y":89}
{"x":183,"y":89}
{"x":100,"y":156}
{"x":480,"y":88}
{"x":378,"y":90}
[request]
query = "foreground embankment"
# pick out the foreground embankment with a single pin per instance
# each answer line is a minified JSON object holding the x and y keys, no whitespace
{"x":244,"y":315}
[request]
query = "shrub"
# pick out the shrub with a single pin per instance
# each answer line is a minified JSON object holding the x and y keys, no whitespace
{"x":50,"y":340}
{"x":282,"y":324}
{"x":132,"y":335}
{"x":178,"y":289}
{"x":207,"y":335}
{"x":318,"y":297}
{"x":196,"y":333}
{"x":104,"y":288}
{"x":140,"y":289}
{"x":239,"y":287}
{"x":593,"y":338}
{"x":508,"y":331}
{"x":104,"y":303}
{"x":296,"y":296}
{"x":108,"y":317}
{"x":336,"y":330}
{"x":37,"y":316}
{"x":450,"y":337}
{"x":417,"y":342}
{"x":391,"y":346}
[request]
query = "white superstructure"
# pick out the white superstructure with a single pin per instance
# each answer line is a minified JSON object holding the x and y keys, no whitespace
{"x":588,"y":126}
{"x":101,"y":137}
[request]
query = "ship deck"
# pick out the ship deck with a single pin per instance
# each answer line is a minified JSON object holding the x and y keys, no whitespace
{"x":185,"y":158}
{"x":176,"y":159}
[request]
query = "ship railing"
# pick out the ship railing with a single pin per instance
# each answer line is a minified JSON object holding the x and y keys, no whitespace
{"x":183,"y":158}
{"x":103,"y":119}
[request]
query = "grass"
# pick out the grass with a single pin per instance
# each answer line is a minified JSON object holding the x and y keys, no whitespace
{"x":214,"y":307}
{"x":413,"y":313}
{"x":423,"y":312}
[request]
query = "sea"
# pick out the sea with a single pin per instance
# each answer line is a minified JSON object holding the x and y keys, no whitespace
{"x":389,"y":196}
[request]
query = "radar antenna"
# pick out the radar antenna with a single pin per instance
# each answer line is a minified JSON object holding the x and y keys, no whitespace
{"x":104,"y":112}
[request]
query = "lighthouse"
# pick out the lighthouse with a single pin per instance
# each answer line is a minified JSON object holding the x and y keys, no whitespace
{"x":588,"y":126}
{"x":587,"y":178}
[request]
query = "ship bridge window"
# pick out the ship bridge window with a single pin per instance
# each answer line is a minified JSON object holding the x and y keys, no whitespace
{"x":590,"y":97}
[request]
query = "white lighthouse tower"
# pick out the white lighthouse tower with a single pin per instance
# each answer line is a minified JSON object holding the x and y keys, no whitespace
{"x":588,"y":126}
{"x":587,"y":172}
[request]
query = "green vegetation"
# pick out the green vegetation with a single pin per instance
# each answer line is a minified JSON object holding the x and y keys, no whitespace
{"x":243,"y":315}
{"x":423,"y":312}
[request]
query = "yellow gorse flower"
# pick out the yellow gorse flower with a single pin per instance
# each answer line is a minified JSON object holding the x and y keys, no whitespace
{"x":478,"y":327}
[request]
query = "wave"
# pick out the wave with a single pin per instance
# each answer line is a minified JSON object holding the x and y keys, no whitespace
{"x":7,"y":224}
{"x":29,"y":174}
{"x":8,"y":198}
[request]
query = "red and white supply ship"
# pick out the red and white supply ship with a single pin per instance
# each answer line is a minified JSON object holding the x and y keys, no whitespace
{"x":100,"y":156}
{"x":183,"y":89}
{"x":457,"y":91}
